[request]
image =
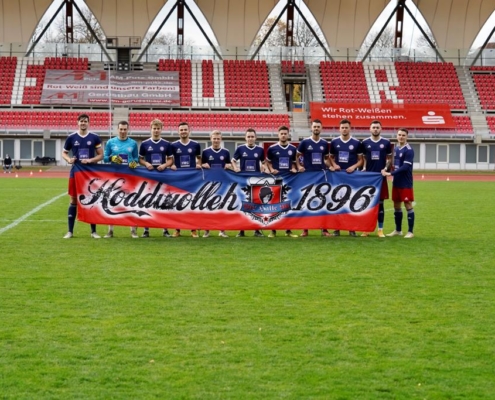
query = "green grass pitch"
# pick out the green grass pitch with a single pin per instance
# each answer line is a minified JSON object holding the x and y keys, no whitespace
{"x":248,"y":318}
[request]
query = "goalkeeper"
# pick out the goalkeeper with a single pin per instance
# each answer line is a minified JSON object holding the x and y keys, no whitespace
{"x":122,"y":150}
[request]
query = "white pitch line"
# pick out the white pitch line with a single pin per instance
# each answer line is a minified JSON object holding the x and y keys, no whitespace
{"x":27,"y":215}
{"x":36,"y":220}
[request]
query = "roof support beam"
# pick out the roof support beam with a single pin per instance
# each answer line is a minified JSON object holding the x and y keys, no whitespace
{"x":384,"y":26}
{"x":30,"y":50}
{"x":269,"y":31}
{"x":483,"y":46}
{"x":289,"y":27}
{"x":433,"y":46}
{"x":156,"y":33}
{"x":399,"y":24}
{"x":203,"y":31}
{"x":90,"y":28}
{"x":180,"y":22}
{"x":401,"y":5}
{"x":312,"y":30}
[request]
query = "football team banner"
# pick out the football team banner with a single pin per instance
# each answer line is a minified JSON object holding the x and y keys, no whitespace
{"x":390,"y":115}
{"x":102,"y":87}
{"x":220,"y":199}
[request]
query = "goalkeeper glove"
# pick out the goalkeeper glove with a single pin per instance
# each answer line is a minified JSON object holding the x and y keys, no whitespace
{"x":116,"y":159}
{"x":133,"y":164}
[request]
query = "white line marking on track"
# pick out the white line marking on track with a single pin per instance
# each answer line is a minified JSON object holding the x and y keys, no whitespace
{"x":27,"y":215}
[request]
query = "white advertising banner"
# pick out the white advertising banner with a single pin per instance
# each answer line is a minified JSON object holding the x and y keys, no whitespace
{"x":115,"y":87}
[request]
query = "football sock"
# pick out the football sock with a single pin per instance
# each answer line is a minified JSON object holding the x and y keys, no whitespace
{"x":381,"y":214}
{"x":410,"y":219}
{"x":398,"y":219}
{"x":93,"y":228}
{"x":71,"y":216}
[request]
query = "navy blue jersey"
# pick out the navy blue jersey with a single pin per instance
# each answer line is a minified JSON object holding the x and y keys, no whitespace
{"x":282,"y":158}
{"x":345,"y":152}
{"x":375,"y":153}
{"x":403,"y":167}
{"x":83,"y":147}
{"x":155,"y":152}
{"x":185,"y":154}
{"x":249,"y":158}
{"x":314,"y":154}
{"x":215,"y":158}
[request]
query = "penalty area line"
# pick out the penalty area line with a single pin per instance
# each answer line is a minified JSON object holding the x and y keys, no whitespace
{"x":28,"y":214}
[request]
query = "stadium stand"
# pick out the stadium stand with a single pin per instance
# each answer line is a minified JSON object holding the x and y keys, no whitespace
{"x":208,"y":81}
{"x":293,"y":67}
{"x":485,"y":86}
{"x":491,"y":124}
{"x":56,"y":120}
{"x":185,"y":81}
{"x":482,"y":68}
{"x":232,"y":84}
{"x":429,"y":83}
{"x":463,"y":124}
{"x":7,"y":73}
{"x":398,"y":83}
{"x":209,"y":121}
{"x":344,"y":81}
{"x":246,"y":84}
{"x":30,"y":76}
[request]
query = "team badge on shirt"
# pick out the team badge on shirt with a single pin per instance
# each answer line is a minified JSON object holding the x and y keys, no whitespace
{"x":266,"y":199}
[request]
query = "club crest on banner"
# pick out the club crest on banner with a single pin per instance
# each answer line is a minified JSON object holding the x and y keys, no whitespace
{"x":266,"y":199}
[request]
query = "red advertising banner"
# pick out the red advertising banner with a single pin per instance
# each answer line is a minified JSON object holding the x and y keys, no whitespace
{"x":424,"y":116}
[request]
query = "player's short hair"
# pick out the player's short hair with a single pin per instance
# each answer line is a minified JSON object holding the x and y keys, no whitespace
{"x":344,"y":121}
{"x":83,"y":116}
{"x":216,"y":132}
{"x":376,"y":122}
{"x":182,"y":124}
{"x":283,"y":128}
{"x":156,"y":122}
{"x":404,"y":130}
{"x":316,"y":121}
{"x":251,"y":130}
{"x":123,"y":123}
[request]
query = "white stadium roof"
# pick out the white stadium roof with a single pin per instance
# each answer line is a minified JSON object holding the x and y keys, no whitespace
{"x":345,"y":23}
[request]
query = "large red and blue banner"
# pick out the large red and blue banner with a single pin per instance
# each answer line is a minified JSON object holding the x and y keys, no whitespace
{"x":221,"y":199}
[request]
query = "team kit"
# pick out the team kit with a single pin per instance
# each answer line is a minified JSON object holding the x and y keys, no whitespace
{"x":343,"y":153}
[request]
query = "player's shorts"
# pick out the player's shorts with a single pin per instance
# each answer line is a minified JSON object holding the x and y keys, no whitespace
{"x":72,"y":184}
{"x":402,"y":194}
{"x":72,"y":187}
{"x":384,"y":192}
